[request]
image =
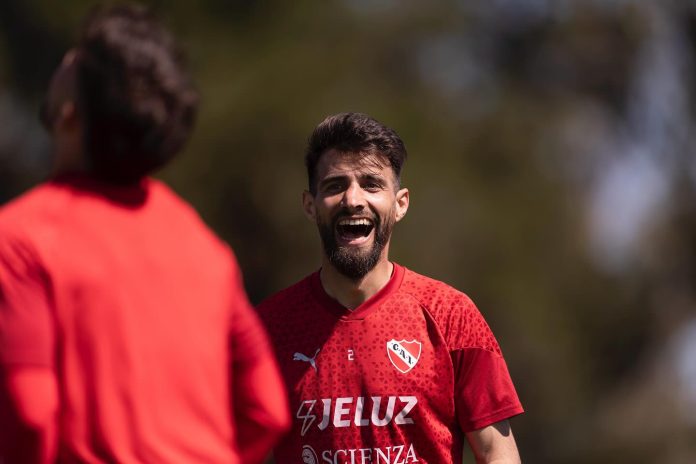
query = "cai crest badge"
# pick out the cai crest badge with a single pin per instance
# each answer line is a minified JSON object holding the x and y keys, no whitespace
{"x":402,"y":354}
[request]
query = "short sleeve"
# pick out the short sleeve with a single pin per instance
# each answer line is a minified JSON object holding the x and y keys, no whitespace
{"x":483,"y":390}
{"x":26,"y":328}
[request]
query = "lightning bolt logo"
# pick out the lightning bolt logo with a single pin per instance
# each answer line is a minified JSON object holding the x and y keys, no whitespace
{"x":305,"y":412}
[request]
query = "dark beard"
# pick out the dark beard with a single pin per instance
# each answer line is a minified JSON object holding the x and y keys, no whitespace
{"x":352,"y":263}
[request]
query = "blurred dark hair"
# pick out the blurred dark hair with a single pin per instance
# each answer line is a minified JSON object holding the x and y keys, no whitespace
{"x":136,"y":99}
{"x":353,"y":133}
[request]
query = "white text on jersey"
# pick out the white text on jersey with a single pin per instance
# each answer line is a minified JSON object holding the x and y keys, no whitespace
{"x":398,"y":454}
{"x":344,"y":411}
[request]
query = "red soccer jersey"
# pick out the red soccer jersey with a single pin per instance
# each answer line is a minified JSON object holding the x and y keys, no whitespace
{"x":395,"y":381}
{"x":140,"y":311}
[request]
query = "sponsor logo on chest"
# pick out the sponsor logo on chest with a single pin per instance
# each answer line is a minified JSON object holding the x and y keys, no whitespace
{"x":358,"y":412}
{"x":395,"y":454}
{"x":404,"y":354}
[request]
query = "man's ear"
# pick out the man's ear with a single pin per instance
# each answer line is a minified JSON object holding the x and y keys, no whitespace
{"x":402,"y":199}
{"x":308,"y":205}
{"x":68,"y":118}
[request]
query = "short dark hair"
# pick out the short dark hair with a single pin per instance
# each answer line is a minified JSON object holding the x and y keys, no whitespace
{"x":137,"y":101}
{"x":353,"y":133}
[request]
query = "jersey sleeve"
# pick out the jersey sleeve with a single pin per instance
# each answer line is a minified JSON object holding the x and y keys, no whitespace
{"x":483,"y":391}
{"x":260,"y":406}
{"x":26,"y":326}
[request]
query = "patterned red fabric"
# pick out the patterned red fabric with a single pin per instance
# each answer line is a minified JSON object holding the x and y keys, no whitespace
{"x":397,"y":380}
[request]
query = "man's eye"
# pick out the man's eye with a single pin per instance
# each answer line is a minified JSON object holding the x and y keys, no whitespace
{"x":332,"y":188}
{"x":372,"y":186}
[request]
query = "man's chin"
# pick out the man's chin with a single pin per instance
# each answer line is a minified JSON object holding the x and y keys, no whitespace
{"x":352,"y":263}
{"x":355,"y":249}
{"x":356,"y":253}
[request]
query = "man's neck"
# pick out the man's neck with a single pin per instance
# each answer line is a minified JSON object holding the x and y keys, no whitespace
{"x":68,"y":159}
{"x":352,"y":293}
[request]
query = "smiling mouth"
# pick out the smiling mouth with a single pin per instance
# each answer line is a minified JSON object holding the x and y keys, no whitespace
{"x":351,"y":229}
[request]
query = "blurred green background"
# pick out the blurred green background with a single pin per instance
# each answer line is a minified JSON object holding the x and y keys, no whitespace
{"x":552,"y":176}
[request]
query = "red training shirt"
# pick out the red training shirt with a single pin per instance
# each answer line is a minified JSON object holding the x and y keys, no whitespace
{"x":395,"y":381}
{"x":139,"y":310}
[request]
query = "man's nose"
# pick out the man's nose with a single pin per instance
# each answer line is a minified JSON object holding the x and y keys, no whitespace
{"x":353,"y":197}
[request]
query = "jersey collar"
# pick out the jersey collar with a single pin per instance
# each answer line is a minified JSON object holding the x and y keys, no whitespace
{"x":367,"y":306}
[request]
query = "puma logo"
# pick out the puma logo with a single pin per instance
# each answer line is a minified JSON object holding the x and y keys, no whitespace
{"x":302,"y":357}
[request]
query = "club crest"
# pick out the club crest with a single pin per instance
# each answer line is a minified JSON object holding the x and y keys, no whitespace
{"x":403,"y":355}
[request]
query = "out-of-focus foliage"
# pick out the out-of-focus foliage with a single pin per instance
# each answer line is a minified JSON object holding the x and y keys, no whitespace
{"x":551,"y":172}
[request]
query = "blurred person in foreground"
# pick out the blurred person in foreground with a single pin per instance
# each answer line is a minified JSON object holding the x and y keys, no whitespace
{"x":125,"y":332}
{"x":383,"y":365}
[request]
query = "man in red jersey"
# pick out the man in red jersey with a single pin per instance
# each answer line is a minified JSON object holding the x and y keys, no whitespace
{"x":384,"y":366}
{"x":125,"y":332}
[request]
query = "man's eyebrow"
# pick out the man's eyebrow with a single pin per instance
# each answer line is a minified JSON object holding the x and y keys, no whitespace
{"x":362,"y":176}
{"x":372,"y":177}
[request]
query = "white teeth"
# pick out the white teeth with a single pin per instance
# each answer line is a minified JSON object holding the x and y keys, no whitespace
{"x":355,"y":222}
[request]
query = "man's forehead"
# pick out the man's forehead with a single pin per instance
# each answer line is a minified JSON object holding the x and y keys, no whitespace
{"x":336,"y":163}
